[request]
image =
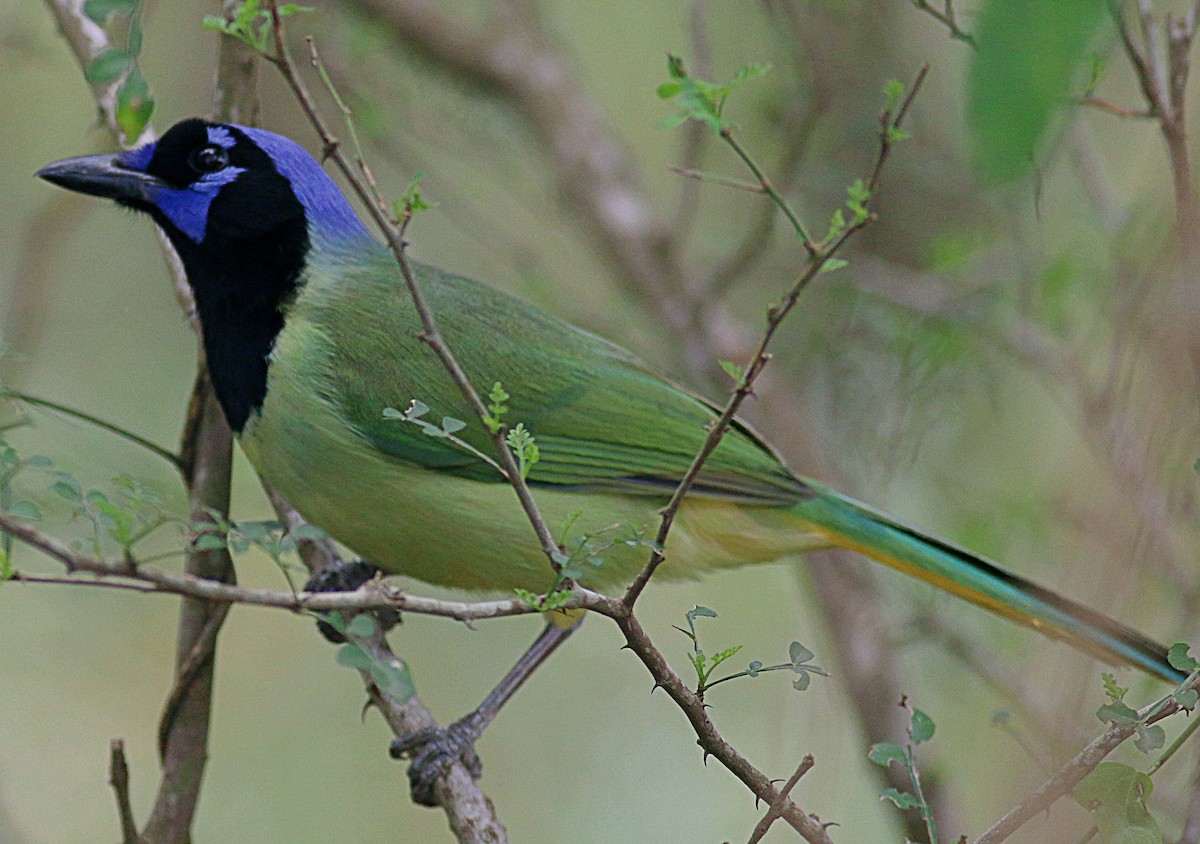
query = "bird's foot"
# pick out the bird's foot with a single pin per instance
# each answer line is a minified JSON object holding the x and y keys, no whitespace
{"x":346,"y":577}
{"x":434,"y":751}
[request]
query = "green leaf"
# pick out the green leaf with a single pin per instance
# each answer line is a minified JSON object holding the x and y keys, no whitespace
{"x":799,"y":654}
{"x":1111,"y":688}
{"x":893,"y":90}
{"x":922,"y":726}
{"x":99,"y":10}
{"x":748,"y":74}
{"x":26,"y":510}
{"x":902,"y":799}
{"x":1117,"y":795}
{"x":1029,"y":54}
{"x":734,"y":370}
{"x":134,"y":104}
{"x":832,"y":264}
{"x":352,"y":656}
{"x":885,"y":753}
{"x":668,"y":90}
{"x":802,"y":682}
{"x":1186,"y":699}
{"x":675,"y":67}
{"x":1150,"y":737}
{"x":1178,"y":657}
{"x":108,"y":66}
{"x":210,"y":542}
{"x":69,"y":491}
{"x":1118,"y":712}
{"x":393,"y":680}
{"x":310,"y":532}
{"x":6,"y":566}
{"x":364,"y":624}
{"x":753,"y":668}
{"x":1114,"y":784}
{"x":721,"y":656}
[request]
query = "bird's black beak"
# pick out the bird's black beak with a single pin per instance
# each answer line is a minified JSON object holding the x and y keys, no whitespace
{"x":104,"y":176}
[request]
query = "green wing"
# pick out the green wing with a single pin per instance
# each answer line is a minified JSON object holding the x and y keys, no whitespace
{"x":601,"y":419}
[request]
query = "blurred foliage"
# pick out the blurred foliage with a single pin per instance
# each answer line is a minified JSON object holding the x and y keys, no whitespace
{"x":1013,"y":368}
{"x":1028,"y":55}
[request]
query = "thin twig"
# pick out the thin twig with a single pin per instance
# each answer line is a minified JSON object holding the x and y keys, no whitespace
{"x":716,"y":179}
{"x":772,"y":815}
{"x":471,"y":815}
{"x":96,"y":421}
{"x":118,"y":778}
{"x":198,"y":659}
{"x":770,"y":190}
{"x":947,"y":18}
{"x":1115,"y":109}
{"x":132,"y":575}
{"x":707,"y":735}
{"x":775,"y":316}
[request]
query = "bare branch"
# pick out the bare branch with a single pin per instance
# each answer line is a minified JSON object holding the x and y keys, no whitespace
{"x":371,"y":596}
{"x":772,"y":814}
{"x":947,"y":18}
{"x":118,"y":778}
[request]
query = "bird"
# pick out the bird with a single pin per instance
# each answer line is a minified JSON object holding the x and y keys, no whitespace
{"x":313,"y":347}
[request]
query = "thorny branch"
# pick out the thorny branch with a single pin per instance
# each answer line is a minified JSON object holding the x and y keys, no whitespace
{"x":819,"y":256}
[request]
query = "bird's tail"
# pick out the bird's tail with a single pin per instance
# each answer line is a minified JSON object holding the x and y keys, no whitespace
{"x":848,"y":524}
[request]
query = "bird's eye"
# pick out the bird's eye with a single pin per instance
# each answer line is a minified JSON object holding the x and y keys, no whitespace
{"x":209,"y":159}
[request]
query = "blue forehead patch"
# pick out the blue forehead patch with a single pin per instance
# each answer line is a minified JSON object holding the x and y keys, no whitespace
{"x":137,"y":159}
{"x":220,"y":136}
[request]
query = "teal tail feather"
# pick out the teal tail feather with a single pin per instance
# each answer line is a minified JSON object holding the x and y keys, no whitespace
{"x":848,"y":524}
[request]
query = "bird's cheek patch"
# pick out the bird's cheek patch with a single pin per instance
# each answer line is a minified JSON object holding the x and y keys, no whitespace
{"x":187,"y":208}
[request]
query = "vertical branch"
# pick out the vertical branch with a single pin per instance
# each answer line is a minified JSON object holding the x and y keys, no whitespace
{"x":207,"y":449}
{"x":1162,"y":77}
{"x":118,"y":778}
{"x":184,"y":728}
{"x":470,"y":813}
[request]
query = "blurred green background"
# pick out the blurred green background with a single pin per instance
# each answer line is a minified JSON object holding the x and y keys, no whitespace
{"x":1010,"y":366}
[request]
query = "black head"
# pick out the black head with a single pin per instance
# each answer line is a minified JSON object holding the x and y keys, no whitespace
{"x":243,"y":207}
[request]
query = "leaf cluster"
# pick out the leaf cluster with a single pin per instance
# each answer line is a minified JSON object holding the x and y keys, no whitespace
{"x":134,"y":103}
{"x":704,"y":665}
{"x":920,"y":729}
{"x":390,"y":674}
{"x":700,"y":100}
{"x":252,"y":24}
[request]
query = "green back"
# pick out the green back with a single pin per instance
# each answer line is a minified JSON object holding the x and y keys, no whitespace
{"x":601,"y":418}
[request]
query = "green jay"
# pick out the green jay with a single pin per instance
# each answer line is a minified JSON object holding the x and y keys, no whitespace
{"x":310,"y":334}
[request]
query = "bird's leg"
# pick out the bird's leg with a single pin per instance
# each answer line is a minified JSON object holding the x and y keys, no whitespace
{"x":432,"y":750}
{"x":346,"y":577}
